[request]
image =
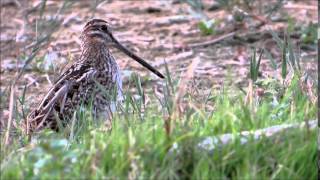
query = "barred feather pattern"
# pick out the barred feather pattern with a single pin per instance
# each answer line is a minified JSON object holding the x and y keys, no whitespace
{"x":92,"y":79}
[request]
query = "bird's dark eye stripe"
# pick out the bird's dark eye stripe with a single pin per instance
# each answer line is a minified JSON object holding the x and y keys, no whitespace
{"x":99,"y":35}
{"x":102,"y":28}
{"x":94,"y":27}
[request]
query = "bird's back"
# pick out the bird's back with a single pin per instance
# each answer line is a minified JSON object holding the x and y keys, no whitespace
{"x":83,"y":83}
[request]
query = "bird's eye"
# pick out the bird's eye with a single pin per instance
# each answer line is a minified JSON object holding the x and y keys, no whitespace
{"x":104,"y":28}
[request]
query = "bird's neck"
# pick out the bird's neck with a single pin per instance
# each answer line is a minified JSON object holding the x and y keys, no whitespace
{"x":94,"y":52}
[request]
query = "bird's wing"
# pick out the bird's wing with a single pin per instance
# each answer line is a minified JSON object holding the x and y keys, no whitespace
{"x":57,"y":94}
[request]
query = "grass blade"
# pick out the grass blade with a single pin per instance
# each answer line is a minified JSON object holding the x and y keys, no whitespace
{"x":269,"y":56}
{"x":284,"y":60}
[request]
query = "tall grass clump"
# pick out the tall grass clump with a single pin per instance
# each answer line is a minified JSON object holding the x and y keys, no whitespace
{"x":161,"y":140}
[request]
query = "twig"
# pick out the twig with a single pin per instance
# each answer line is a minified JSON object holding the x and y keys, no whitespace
{"x":32,"y":81}
{"x":213,"y":41}
{"x":300,"y":6}
{"x":166,"y":21}
{"x":48,"y":79}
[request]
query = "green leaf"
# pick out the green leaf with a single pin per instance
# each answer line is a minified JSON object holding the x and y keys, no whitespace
{"x":291,"y":24}
{"x":251,"y":68}
{"x":284,"y":60}
{"x":258,"y":64}
{"x":206,"y":27}
{"x":292,"y":58}
{"x":309,"y":34}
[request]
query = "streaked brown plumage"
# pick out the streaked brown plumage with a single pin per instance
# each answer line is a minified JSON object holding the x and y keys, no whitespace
{"x":78,"y":84}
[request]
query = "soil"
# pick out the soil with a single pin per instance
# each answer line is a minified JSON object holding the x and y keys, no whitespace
{"x":159,"y":31}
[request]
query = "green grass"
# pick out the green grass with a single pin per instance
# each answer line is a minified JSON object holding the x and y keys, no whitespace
{"x":153,"y":142}
{"x":139,"y":147}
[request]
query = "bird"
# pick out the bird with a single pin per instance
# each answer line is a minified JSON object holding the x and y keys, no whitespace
{"x":94,"y":78}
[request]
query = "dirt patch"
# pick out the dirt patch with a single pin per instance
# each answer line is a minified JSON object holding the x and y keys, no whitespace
{"x":158,"y":31}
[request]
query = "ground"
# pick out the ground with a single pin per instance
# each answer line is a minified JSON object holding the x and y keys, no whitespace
{"x":173,"y":33}
{"x":159,"y":31}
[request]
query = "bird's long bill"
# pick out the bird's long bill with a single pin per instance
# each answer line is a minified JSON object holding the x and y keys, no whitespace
{"x":136,"y":58}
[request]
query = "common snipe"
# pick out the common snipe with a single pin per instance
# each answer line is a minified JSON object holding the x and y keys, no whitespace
{"x":78,"y":84}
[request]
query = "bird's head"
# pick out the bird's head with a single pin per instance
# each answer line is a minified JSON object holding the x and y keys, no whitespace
{"x":98,"y":31}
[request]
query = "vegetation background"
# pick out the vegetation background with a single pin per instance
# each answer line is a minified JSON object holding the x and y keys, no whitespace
{"x":239,"y":100}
